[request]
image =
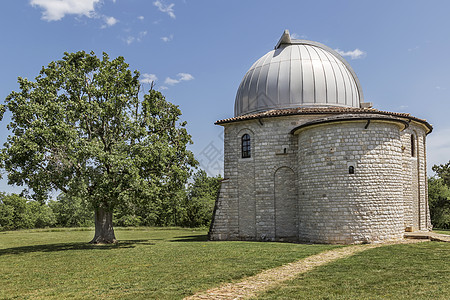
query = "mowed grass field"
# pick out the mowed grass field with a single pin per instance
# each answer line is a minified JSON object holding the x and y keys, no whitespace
{"x":408,"y":271}
{"x":443,"y":231}
{"x":148,"y":263}
{"x":171,"y":263}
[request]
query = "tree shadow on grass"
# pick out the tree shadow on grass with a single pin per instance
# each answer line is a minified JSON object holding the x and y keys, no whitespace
{"x":122,"y":244}
{"x":191,"y":238}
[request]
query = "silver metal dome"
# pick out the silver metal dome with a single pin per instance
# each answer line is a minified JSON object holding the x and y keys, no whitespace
{"x":298,"y":73}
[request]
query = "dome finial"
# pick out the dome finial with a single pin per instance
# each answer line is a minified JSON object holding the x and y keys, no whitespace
{"x":285,"y":39}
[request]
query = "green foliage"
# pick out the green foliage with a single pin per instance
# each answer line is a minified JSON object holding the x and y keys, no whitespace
{"x":443,"y":171}
{"x":18,"y":213}
{"x":72,"y":211}
{"x":128,"y":221}
{"x":439,"y":196}
{"x":41,"y":215}
{"x":6,"y":217}
{"x":439,"y":202}
{"x":82,"y":128}
{"x":200,"y":199}
{"x":127,"y":214}
{"x":190,"y":207}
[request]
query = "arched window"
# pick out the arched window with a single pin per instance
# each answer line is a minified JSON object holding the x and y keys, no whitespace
{"x":246,"y":147}
{"x":351,"y":170}
{"x":413,"y":145}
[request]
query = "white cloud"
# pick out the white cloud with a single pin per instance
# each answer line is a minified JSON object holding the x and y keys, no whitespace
{"x":109,"y":21}
{"x":181,"y":77}
{"x":148,"y":78}
{"x":441,"y":88}
{"x":185,"y":76}
{"x":163,"y":87}
{"x":355,"y":54}
{"x":167,"y":38}
{"x":297,"y":36}
{"x":165,"y":8}
{"x":55,"y":10}
{"x":171,"y":81}
{"x":141,"y":18}
{"x":131,"y":39}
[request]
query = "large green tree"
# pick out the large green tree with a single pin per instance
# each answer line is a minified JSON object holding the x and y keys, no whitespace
{"x":83,"y":128}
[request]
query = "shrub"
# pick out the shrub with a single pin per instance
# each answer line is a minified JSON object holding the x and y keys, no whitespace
{"x":72,"y":212}
{"x":17,"y":213}
{"x":200,"y":200}
{"x":439,"y":203}
{"x":41,"y":215}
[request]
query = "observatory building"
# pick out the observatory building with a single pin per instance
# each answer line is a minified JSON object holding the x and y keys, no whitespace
{"x":307,"y":160}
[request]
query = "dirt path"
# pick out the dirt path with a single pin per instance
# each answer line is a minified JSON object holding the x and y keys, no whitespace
{"x":251,"y":286}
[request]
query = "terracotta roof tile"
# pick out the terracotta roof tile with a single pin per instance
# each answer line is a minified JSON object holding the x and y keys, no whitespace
{"x":319,"y":110}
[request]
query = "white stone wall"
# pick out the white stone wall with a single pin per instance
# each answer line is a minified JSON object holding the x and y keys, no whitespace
{"x":298,"y":187}
{"x":415,"y":187}
{"x":338,"y":207}
{"x":269,"y":140}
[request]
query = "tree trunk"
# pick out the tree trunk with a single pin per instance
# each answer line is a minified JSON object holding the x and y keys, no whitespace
{"x":104,"y":231}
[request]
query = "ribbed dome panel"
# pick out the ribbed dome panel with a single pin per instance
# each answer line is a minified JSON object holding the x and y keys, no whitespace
{"x":299,"y":74}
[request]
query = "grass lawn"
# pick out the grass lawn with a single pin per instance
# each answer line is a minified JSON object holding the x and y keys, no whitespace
{"x":148,"y":263}
{"x":411,"y":271}
{"x":443,"y":231}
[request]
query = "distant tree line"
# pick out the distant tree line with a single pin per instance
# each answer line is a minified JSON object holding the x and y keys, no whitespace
{"x":439,"y":196}
{"x":191,"y":207}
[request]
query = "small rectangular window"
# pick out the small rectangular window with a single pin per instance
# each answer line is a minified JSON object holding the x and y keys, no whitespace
{"x":413,"y":145}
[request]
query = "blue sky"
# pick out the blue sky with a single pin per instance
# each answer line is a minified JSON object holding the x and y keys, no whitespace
{"x":198,"y":51}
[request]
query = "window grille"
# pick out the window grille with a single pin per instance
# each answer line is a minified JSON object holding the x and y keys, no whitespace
{"x":246,"y":146}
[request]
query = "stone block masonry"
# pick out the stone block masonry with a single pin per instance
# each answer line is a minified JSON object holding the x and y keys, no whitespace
{"x":340,"y":181}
